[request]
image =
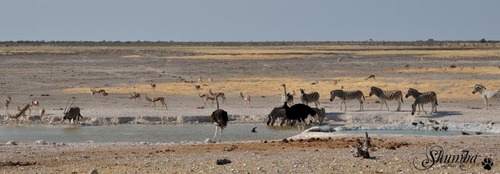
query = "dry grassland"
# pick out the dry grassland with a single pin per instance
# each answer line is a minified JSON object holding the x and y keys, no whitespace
{"x":270,"y":86}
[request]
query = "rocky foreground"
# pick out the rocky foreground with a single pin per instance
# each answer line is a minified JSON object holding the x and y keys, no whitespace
{"x":389,"y":154}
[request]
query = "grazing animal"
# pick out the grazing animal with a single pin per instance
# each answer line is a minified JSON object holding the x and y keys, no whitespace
{"x":320,"y":115}
{"x":276,"y":113}
{"x":153,"y":85}
{"x":298,"y":112}
{"x":93,"y":92}
{"x":396,"y":95}
{"x":312,"y":97}
{"x":102,"y":92}
{"x":246,"y":98}
{"x":348,"y":95}
{"x":105,"y":94}
{"x":428,"y":97}
{"x":487,"y":94}
{"x":205,"y":98}
{"x":34,"y":103}
{"x":198,"y":87}
{"x":287,"y":97}
{"x":7,"y":103}
{"x":21,"y":111}
{"x":42,"y":114}
{"x":220,"y":119}
{"x":370,"y":77}
{"x":155,"y":99}
{"x":72,"y":114}
{"x":136,"y":96}
{"x":218,"y":94}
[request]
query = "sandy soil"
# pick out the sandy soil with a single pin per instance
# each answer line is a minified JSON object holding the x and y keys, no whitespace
{"x":57,"y":75}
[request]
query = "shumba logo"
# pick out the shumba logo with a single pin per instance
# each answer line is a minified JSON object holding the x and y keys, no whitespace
{"x":436,"y":154}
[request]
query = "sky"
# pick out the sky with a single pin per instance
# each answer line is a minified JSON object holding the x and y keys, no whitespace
{"x":251,"y":20}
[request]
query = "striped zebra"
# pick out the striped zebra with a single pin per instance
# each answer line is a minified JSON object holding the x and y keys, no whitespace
{"x":309,"y":98}
{"x":487,"y":94}
{"x":348,"y":95}
{"x":429,"y":97}
{"x":396,"y":95}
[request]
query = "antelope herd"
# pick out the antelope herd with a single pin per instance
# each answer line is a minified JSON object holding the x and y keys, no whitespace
{"x":279,"y":112}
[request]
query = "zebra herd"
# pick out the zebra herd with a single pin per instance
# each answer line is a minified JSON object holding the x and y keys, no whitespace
{"x":385,"y":95}
{"x":421,"y":98}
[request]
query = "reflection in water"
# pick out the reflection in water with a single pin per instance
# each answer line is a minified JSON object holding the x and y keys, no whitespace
{"x":137,"y":133}
{"x":170,"y":133}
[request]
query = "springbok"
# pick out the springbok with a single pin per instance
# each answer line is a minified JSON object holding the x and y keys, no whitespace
{"x":155,"y":99}
{"x":246,"y":98}
{"x":135,"y":96}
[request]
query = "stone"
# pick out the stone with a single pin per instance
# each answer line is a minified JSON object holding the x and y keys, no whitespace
{"x":11,"y":142}
{"x":40,"y":142}
{"x":94,"y":171}
{"x":223,"y":161}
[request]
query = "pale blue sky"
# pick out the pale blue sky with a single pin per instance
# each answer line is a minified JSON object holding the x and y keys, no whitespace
{"x":251,"y":20}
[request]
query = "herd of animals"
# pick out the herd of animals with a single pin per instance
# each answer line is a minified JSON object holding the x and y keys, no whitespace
{"x":288,"y":112}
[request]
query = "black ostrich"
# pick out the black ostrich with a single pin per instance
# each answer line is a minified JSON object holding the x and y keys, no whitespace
{"x":298,"y":112}
{"x":220,"y":119}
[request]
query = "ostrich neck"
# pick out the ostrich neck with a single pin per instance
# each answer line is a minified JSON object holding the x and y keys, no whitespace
{"x":284,"y":90}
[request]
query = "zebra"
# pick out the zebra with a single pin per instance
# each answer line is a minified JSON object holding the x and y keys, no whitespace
{"x":348,"y":95}
{"x":430,"y":97}
{"x":309,"y":98}
{"x":487,"y":94}
{"x":396,"y":95}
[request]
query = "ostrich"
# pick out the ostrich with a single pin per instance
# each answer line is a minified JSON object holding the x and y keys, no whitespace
{"x":298,"y":112}
{"x":287,"y":97}
{"x":220,"y":119}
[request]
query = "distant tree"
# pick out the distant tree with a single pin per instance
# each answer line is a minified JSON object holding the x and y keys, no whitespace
{"x":483,"y":40}
{"x":430,"y":40}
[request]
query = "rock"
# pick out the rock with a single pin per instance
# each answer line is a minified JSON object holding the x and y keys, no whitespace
{"x":11,"y":142}
{"x":222,"y":161}
{"x":40,"y":142}
{"x":94,"y":171}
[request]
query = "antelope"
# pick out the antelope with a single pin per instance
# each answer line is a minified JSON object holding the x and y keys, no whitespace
{"x":100,"y":91}
{"x":218,"y":94}
{"x":42,"y":114}
{"x":245,"y":98}
{"x":21,"y":111}
{"x":155,"y":99}
{"x":205,"y":98}
{"x":135,"y":96}
{"x":7,"y":103}
{"x":72,"y":114}
{"x":93,"y":92}
{"x":370,"y":77}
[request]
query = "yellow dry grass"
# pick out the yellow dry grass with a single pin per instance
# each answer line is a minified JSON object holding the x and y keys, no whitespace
{"x":490,"y":70}
{"x":270,"y":86}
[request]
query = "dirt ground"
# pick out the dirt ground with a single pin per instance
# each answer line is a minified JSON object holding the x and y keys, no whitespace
{"x":314,"y":68}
